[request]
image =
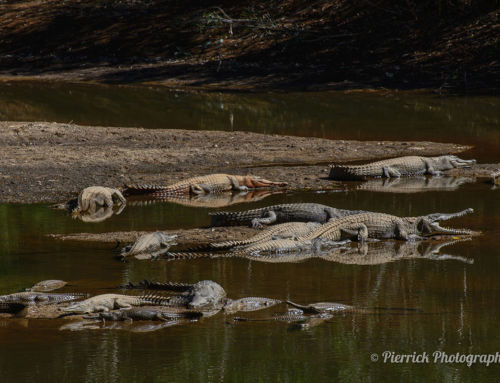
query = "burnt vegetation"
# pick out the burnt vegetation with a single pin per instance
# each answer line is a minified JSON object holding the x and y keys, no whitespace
{"x":441,"y":44}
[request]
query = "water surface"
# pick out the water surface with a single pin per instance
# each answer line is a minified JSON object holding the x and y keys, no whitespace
{"x":459,"y":302}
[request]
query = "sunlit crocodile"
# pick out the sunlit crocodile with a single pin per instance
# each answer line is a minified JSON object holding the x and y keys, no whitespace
{"x":93,"y":197}
{"x":397,"y":167}
{"x":47,"y":285}
{"x":293,"y":212}
{"x":206,"y":295}
{"x":149,"y":245}
{"x":284,"y":230}
{"x":32,"y":297}
{"x":108,"y":302}
{"x":212,"y":183}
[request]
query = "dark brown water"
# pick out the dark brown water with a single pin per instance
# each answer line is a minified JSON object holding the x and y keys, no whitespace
{"x":471,"y":121}
{"x":459,"y":302}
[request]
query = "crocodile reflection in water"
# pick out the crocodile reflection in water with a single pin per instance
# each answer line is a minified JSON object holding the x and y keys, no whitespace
{"x":415,"y":184}
{"x":99,"y":215}
{"x":210,"y":200}
{"x":371,"y":253}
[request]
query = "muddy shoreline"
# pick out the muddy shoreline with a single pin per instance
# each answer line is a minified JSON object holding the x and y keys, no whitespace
{"x":52,"y":162}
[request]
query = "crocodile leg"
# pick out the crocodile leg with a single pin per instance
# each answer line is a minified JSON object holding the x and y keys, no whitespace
{"x":359,"y":232}
{"x":390,"y":172}
{"x":121,"y":304}
{"x":257,"y":223}
{"x":236,"y":185}
{"x":429,"y":169}
{"x":120,"y":196}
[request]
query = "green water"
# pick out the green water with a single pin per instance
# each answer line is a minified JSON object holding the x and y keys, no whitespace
{"x":458,"y":302}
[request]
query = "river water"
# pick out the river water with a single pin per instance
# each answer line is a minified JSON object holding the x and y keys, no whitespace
{"x":457,"y":302}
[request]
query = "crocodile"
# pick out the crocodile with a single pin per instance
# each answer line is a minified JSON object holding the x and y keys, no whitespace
{"x":397,"y":167}
{"x":284,"y":230}
{"x":228,"y":305}
{"x":149,"y":245}
{"x":212,"y":183}
{"x":329,"y":307}
{"x":249,"y":304}
{"x":385,"y":226}
{"x":47,"y":285}
{"x":415,"y":184}
{"x":203,"y":295}
{"x":294,"y":212}
{"x":29,"y":297}
{"x":93,"y":196}
{"x":107,"y":302}
{"x":147,"y":313}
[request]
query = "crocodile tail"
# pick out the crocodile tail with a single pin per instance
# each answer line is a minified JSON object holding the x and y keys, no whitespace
{"x":344,"y":173}
{"x":138,"y":189}
{"x":193,"y":255}
{"x":156,"y":300}
{"x":171,"y":286}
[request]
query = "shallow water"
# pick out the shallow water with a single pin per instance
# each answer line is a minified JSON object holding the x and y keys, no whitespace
{"x":458,"y":302}
{"x":472,"y":121}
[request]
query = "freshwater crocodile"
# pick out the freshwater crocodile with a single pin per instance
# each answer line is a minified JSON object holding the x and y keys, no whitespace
{"x":206,"y":288}
{"x":147,"y":313}
{"x":397,"y":167}
{"x":284,"y":230}
{"x":47,"y":285}
{"x":92,"y":197}
{"x":149,"y":245}
{"x":385,"y":226}
{"x":29,"y":297}
{"x":294,"y":212}
{"x":107,"y":302}
{"x":212,"y":183}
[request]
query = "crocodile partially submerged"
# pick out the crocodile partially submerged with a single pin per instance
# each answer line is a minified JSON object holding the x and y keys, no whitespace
{"x":398,"y":167}
{"x":212,"y":183}
{"x":47,"y":285}
{"x":31,"y":297}
{"x":294,"y":212}
{"x":205,"y":295}
{"x":149,"y":245}
{"x":148,"y":314}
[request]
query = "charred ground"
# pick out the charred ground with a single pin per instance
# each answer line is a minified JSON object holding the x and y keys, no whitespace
{"x":444,"y":45}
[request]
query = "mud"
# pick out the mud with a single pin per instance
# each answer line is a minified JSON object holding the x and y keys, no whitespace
{"x":186,"y":237}
{"x":52,"y":162}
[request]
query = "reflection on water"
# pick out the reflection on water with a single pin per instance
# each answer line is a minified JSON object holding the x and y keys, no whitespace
{"x":459,"y":301}
{"x":472,"y":121}
{"x":414,"y":184}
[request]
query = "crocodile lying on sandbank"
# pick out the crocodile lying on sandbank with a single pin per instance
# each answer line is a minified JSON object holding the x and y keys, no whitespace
{"x":397,"y":167}
{"x":212,"y":183}
{"x":357,"y":227}
{"x":294,"y":212}
{"x":149,"y":245}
